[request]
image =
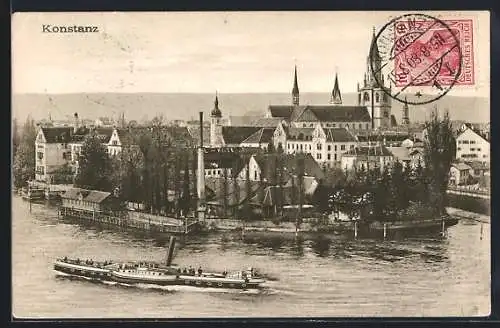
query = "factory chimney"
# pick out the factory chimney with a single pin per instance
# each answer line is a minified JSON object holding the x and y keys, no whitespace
{"x":201,"y":173}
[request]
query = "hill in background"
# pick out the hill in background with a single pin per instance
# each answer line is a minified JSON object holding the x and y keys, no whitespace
{"x":185,"y":106}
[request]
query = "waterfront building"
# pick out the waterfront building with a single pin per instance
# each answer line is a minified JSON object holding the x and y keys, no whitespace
{"x":472,"y":146}
{"x":87,"y":200}
{"x":52,"y":151}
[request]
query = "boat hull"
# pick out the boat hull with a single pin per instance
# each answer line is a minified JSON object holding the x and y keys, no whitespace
{"x":83,"y":270}
{"x":154,"y":277}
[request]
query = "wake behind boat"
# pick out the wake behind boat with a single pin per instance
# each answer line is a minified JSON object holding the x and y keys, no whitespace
{"x":158,"y":273}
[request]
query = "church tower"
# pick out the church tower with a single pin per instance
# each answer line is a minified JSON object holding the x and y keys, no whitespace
{"x":336,"y":98}
{"x":295,"y":90}
{"x":372,"y":94}
{"x":216,"y":139}
{"x":405,"y":118}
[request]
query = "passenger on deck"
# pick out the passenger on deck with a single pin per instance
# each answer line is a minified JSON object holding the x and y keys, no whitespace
{"x":184,"y":271}
{"x":200,"y":271}
{"x":65,"y":259}
{"x":224,"y":273}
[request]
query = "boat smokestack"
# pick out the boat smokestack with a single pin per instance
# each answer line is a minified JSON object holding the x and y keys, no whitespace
{"x":201,"y":166}
{"x":170,"y":251}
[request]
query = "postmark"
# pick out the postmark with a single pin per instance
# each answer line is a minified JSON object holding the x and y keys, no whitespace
{"x":423,"y":57}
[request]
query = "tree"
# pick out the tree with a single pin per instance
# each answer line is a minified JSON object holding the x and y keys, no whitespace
{"x":399,"y":187}
{"x":439,"y":152}
{"x":94,"y":166}
{"x":24,"y":158}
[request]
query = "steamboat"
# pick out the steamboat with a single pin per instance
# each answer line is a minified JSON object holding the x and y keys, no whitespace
{"x":158,"y":273}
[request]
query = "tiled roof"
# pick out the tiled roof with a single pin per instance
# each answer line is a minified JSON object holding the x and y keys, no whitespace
{"x":461,"y":166}
{"x":268,"y":161}
{"x":266,"y":122}
{"x":282,"y":111}
{"x":219,"y":159}
{"x":264,"y":135}
{"x":339,"y":135}
{"x":57,"y":134}
{"x":104,"y":134}
{"x":216,"y":186}
{"x":323,"y":113}
{"x":93,"y":196}
{"x":341,"y":113}
{"x":236,"y":134}
{"x":375,"y":150}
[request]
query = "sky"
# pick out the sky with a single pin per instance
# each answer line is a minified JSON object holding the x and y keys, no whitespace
{"x":231,"y":52}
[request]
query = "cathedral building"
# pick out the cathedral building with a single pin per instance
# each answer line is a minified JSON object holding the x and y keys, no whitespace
{"x":371,"y":95}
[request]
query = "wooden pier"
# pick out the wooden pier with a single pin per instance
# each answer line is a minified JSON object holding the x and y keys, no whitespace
{"x":188,"y":225}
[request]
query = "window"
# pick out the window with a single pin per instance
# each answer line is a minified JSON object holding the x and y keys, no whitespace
{"x":352,"y":146}
{"x":329,"y":147}
{"x":335,"y":147}
{"x":478,"y":149}
{"x":255,"y":174}
{"x":288,"y":146}
{"x":335,"y":156}
{"x":301,"y":148}
{"x":115,"y":142}
{"x":328,"y":156}
{"x":318,"y":146}
{"x":40,"y":155}
{"x":342,"y":147}
{"x":309,"y":147}
{"x":465,"y":142}
{"x":377,"y":97}
{"x":334,"y":125}
{"x":459,"y":149}
{"x":318,"y":156}
{"x":472,"y":141}
{"x":360,"y":126}
{"x":366,"y":97}
{"x":304,"y":125}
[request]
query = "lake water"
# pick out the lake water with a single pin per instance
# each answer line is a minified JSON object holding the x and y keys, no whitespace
{"x":326,"y":276}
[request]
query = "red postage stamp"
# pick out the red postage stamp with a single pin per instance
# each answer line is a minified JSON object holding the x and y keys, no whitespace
{"x":430,"y":53}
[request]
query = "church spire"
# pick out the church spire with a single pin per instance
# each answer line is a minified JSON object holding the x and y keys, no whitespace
{"x":295,"y":90}
{"x":406,"y":113}
{"x":374,"y":77}
{"x":216,"y":111}
{"x":336,"y":97}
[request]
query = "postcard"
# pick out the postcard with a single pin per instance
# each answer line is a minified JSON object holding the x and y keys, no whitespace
{"x":250,"y":164}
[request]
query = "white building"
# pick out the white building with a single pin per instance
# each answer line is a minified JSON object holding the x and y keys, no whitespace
{"x":52,"y":151}
{"x":471,"y":146}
